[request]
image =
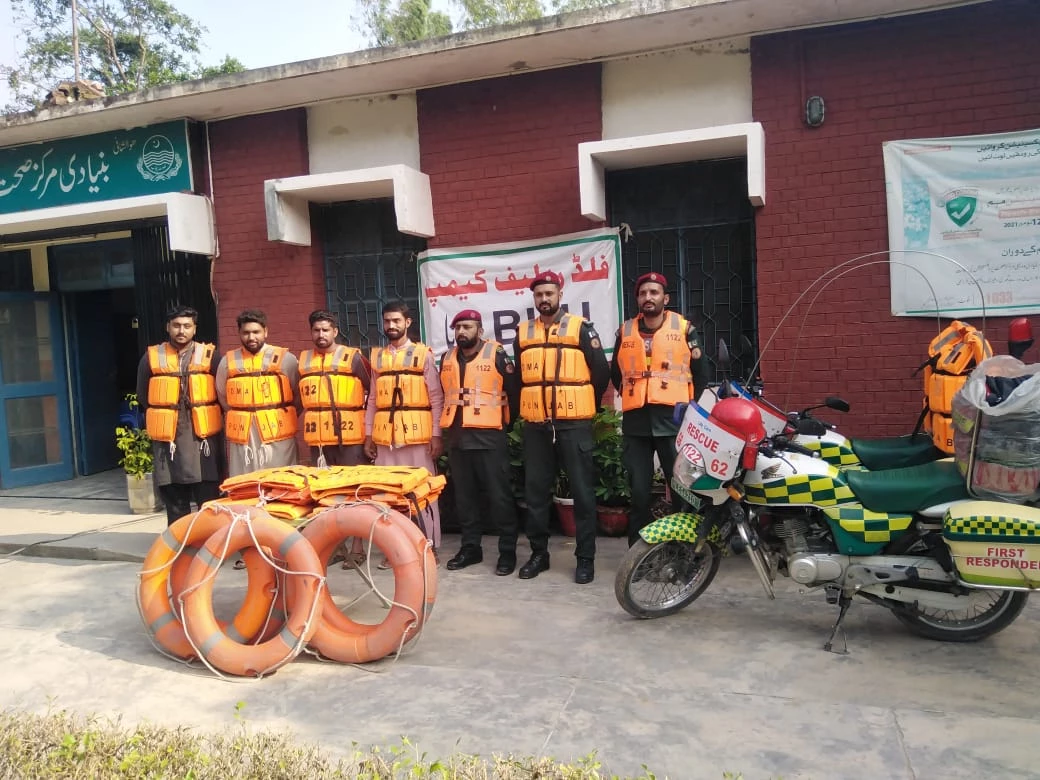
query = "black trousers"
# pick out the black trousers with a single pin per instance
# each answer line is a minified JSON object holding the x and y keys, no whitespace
{"x":639,"y":462}
{"x":487,"y":470}
{"x":179,"y":498}
{"x":572,"y":451}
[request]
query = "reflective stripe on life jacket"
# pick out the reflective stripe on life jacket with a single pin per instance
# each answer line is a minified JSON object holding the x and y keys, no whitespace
{"x":167,"y":384}
{"x":403,"y":412}
{"x":481,"y":395}
{"x":333,"y":398}
{"x":663,"y":376}
{"x":258,"y":389}
{"x":557,"y":383}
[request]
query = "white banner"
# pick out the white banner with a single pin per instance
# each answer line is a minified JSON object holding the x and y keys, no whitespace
{"x":495,"y":280}
{"x":975,"y":199}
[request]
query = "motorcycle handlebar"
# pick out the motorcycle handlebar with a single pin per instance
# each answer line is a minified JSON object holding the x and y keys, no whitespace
{"x":784,"y":443}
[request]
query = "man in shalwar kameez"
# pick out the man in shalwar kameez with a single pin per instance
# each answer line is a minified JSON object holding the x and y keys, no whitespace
{"x":402,"y":422}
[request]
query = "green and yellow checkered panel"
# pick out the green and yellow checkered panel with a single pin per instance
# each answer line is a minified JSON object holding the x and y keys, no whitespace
{"x":979,"y":528}
{"x":801,"y":489}
{"x":681,"y":526}
{"x":866,"y":525}
{"x":835,"y":454}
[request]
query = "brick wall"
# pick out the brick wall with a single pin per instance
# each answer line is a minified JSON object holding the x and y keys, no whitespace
{"x":502,"y":154}
{"x":287,"y":282}
{"x":962,"y":72}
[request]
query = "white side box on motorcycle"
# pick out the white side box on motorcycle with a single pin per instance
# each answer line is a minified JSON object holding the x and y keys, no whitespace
{"x":994,"y":543}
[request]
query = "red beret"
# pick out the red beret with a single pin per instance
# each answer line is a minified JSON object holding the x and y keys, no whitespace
{"x":466,"y":314}
{"x":547,"y":277}
{"x":653,"y":276}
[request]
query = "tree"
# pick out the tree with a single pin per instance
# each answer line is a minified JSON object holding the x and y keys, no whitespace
{"x":387,"y":23}
{"x":409,"y":20}
{"x":126,"y":45}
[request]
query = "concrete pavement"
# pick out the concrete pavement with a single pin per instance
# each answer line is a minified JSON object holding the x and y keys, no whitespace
{"x":734,"y":682}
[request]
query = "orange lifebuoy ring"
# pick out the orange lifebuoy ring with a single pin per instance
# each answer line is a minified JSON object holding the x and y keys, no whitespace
{"x":306,"y":575}
{"x":256,"y":609}
{"x":160,"y":618}
{"x":415,"y":581}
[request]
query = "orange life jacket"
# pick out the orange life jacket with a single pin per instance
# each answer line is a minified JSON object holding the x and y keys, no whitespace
{"x":480,"y":395}
{"x":258,"y":389}
{"x":557,"y":383}
{"x":403,"y":412}
{"x":663,"y":376}
{"x":333,"y":398}
{"x":167,"y":384}
{"x":952,"y":356}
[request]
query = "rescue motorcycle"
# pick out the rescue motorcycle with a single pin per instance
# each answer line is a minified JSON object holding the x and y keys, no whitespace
{"x":823,"y":437}
{"x":911,"y":540}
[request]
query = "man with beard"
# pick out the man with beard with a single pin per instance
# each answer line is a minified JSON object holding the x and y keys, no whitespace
{"x":255,"y":386}
{"x":177,"y":393}
{"x":658,"y":363}
{"x":564,"y":374}
{"x":481,"y":397}
{"x":334,"y":381}
{"x":403,"y":420}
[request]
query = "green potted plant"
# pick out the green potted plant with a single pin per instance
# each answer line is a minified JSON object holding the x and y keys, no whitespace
{"x":564,"y":504}
{"x":137,"y":461}
{"x":613,"y":492}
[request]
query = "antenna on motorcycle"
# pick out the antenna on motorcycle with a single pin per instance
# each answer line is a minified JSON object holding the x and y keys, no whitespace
{"x":1020,"y":337}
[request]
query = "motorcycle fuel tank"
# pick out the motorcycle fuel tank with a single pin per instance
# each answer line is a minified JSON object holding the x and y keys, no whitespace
{"x":796,"y":480}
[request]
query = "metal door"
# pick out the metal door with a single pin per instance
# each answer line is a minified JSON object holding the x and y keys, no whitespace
{"x":368,"y":263}
{"x":693,"y":223}
{"x":35,"y":436}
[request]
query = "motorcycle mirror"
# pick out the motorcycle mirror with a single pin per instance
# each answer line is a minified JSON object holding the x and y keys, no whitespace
{"x":745,"y":344}
{"x":837,"y":404}
{"x":679,"y":412}
{"x":724,"y":356}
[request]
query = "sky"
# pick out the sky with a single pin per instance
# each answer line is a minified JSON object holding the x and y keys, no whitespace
{"x":260,"y":33}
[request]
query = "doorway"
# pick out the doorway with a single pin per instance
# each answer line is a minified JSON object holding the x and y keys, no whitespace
{"x":104,"y":356}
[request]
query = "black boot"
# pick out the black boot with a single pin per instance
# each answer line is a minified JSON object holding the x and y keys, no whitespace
{"x":537,"y":563}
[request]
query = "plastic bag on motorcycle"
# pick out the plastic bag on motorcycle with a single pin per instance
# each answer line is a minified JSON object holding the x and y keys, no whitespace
{"x":996,"y":422}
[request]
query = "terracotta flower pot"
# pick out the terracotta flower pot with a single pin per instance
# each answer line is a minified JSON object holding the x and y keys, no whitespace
{"x":565,"y":513}
{"x":612,"y":520}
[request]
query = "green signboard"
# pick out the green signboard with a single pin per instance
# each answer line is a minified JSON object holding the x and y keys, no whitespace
{"x":106,"y":166}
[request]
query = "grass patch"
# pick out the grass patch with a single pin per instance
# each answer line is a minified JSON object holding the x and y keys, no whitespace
{"x":63,"y":745}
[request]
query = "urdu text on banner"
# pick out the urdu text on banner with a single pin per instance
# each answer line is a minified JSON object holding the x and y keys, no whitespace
{"x":495,"y":279}
{"x":976,"y":200}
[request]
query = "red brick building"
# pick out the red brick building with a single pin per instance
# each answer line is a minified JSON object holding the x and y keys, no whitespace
{"x":317,"y":184}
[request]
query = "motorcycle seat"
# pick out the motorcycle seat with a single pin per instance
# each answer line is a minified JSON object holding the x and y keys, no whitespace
{"x":896,"y":452}
{"x":908,"y":490}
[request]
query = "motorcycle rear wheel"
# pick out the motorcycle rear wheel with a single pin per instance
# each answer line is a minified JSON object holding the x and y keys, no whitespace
{"x":988,"y":612}
{"x":656,"y":580}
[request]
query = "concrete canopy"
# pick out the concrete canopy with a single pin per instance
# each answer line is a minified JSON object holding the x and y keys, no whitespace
{"x":597,"y":157}
{"x":189,"y":218}
{"x":288,"y":217}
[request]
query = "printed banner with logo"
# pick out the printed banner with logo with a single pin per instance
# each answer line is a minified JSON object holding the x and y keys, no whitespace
{"x":976,"y":200}
{"x":495,"y":279}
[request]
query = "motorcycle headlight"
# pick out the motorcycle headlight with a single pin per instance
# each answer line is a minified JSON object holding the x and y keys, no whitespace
{"x":685,"y":472}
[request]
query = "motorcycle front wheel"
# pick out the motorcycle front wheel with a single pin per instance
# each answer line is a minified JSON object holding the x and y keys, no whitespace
{"x":985,"y":613}
{"x":655,"y":580}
